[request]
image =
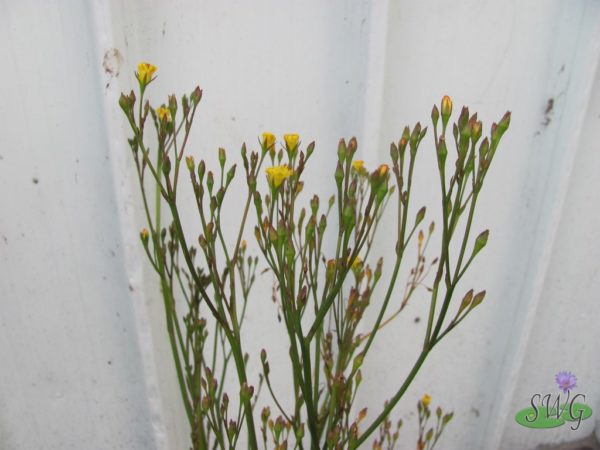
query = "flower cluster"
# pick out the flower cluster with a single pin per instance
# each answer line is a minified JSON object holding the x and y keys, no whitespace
{"x":321,"y":257}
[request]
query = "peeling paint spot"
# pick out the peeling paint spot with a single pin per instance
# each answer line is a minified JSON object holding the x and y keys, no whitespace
{"x":111,"y":63}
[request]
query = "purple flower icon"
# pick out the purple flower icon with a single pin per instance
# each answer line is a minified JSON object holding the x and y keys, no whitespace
{"x":566,"y":381}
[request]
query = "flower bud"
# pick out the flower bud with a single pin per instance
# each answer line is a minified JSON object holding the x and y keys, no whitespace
{"x":144,"y":73}
{"x":426,"y":400}
{"x":342,"y":150}
{"x":478,"y":299}
{"x":435,"y":115}
{"x":196,"y":95}
{"x":222,"y":157}
{"x":189,"y":161}
{"x":268,"y":141}
{"x":481,"y":241}
{"x":210,"y":181}
{"x":231,"y":174}
{"x":164,"y":114}
{"x":144,"y":235}
{"x":291,"y":142}
{"x":446,"y":109}
{"x":339,"y":174}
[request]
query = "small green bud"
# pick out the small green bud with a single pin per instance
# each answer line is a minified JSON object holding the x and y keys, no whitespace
{"x":342,"y":150}
{"x":481,"y":241}
{"x":478,"y":299}
{"x":394,"y":154}
{"x":420,"y":215}
{"x":442,"y":152}
{"x":201,"y":170}
{"x":435,"y":115}
{"x":314,"y":204}
{"x":210,"y":181}
{"x":231,"y":174}
{"x":144,"y":236}
{"x":466,"y":301}
{"x":189,"y":161}
{"x":310,"y":149}
{"x":339,"y":174}
{"x":222,"y":157}
{"x":166,"y":166}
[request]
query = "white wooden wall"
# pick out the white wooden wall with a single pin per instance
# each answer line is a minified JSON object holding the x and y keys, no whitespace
{"x":84,"y":359}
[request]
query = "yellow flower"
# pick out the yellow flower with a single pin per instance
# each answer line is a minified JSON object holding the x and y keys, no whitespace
{"x":268,"y":140}
{"x":163,"y":114}
{"x":144,"y":233}
{"x":383,"y":169}
{"x":291,"y":140}
{"x":145,"y":72}
{"x":426,"y":400}
{"x":356,"y":264}
{"x":358,"y":165}
{"x":276,"y":175}
{"x":446,"y":107}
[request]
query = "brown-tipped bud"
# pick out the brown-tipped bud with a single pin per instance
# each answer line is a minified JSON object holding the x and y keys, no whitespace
{"x":202,"y":241}
{"x":257,"y":234}
{"x":476,"y":128}
{"x":480,"y":241}
{"x":352,"y":147}
{"x":394,"y":154}
{"x":144,"y":236}
{"x":463,"y":118}
{"x":125,"y":104}
{"x":314,"y":204}
{"x":196,"y":95}
{"x":173,"y":104}
{"x":330,"y":270}
{"x":379,"y":179}
{"x":264,"y":415}
{"x":378,"y":269}
{"x":210,"y":181}
{"x":446,"y":109}
{"x":342,"y":150}
{"x":499,"y":129}
{"x":189,"y":161}
{"x":504,"y":122}
{"x":246,"y":392}
{"x":447,"y":418}
{"x":185,"y":105}
{"x":435,"y":115}
{"x":466,"y":301}
{"x":478,"y":299}
{"x":231,"y":174}
{"x":322,"y":224}
{"x":222,"y":157}
{"x":310,"y":149}
{"x":484,"y":148}
{"x":414,"y":137}
{"x":420,"y":216}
